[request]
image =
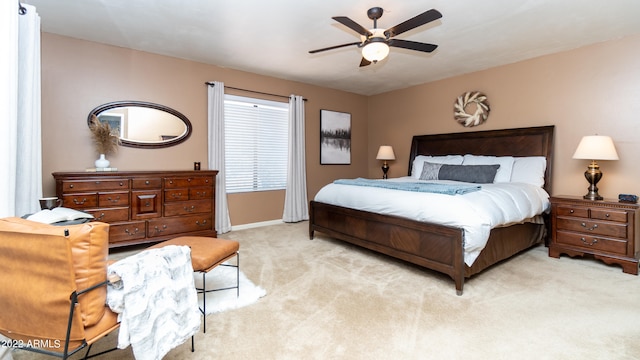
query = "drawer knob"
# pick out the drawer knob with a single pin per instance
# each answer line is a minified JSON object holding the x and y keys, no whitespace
{"x":146,"y":182}
{"x":584,"y":241}
{"x":71,"y":186}
{"x":595,"y":226}
{"x":571,"y":211}
{"x":606,"y":215}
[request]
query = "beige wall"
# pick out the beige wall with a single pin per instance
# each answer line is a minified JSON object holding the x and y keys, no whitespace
{"x":586,"y":91}
{"x":79,"y":75}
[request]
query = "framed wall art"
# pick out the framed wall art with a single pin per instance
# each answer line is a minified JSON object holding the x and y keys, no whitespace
{"x":335,"y":138}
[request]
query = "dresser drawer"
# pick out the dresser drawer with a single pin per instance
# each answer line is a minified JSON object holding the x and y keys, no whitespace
{"x":201,"y":193}
{"x":181,"y":182}
{"x":187,"y":207}
{"x":80,"y":201}
{"x":127,"y":232}
{"x":176,"y":195}
{"x":94,"y":185}
{"x":572,"y":211}
{"x":181,"y":224}
{"x":110,"y":214}
{"x":590,"y":227}
{"x":593,"y":243}
{"x":120,"y":198}
{"x":150,"y":183}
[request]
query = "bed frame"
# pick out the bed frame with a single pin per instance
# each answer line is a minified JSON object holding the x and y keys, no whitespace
{"x":439,"y":247}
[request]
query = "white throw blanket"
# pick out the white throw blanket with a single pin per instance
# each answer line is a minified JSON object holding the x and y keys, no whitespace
{"x":156,"y":301}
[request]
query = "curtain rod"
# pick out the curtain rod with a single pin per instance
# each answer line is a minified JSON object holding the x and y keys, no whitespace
{"x":251,"y":91}
{"x":21,"y":9}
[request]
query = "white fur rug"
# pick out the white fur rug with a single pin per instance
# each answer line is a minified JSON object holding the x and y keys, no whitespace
{"x":222,"y":277}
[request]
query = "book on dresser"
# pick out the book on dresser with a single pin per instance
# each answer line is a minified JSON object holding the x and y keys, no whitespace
{"x":143,"y":206}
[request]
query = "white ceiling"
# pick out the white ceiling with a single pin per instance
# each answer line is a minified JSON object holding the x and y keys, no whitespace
{"x":273,"y":37}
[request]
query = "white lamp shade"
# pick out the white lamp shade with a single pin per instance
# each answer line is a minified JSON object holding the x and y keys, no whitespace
{"x":596,"y":147}
{"x":385,"y":153}
{"x":376,"y":50}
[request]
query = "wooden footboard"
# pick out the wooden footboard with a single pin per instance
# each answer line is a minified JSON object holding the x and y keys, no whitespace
{"x":435,"y":247}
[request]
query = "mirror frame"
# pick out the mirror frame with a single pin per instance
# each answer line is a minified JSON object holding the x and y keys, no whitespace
{"x":146,"y":145}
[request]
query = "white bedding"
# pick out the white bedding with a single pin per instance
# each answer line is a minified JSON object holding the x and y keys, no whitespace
{"x":478,"y":212}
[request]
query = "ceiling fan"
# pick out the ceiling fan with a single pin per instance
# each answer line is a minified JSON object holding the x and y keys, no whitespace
{"x":375,"y":42}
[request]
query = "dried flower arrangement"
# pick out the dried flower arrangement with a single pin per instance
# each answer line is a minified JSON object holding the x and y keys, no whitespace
{"x":104,"y":137}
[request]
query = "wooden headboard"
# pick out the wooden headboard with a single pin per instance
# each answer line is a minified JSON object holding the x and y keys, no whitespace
{"x":531,"y":141}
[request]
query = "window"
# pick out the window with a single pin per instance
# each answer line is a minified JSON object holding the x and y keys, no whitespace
{"x":255,"y":144}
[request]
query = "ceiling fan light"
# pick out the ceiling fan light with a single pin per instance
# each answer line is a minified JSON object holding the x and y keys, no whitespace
{"x":375,"y":50}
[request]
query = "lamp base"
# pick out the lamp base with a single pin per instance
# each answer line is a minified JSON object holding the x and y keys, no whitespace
{"x":593,"y":175}
{"x":385,"y":169}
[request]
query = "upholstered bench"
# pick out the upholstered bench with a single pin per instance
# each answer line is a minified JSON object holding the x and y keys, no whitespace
{"x":206,"y":254}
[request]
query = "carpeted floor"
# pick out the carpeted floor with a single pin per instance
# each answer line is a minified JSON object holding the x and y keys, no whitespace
{"x":329,"y":300}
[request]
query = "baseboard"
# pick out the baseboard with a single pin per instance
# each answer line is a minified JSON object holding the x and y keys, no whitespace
{"x":255,"y":225}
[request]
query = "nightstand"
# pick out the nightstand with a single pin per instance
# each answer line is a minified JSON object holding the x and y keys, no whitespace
{"x":607,"y":229}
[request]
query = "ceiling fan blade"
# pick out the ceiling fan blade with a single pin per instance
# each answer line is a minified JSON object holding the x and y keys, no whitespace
{"x":364,"y":62}
{"x":412,"y":45}
{"x":333,"y":47}
{"x":352,"y":25}
{"x":425,"y":17}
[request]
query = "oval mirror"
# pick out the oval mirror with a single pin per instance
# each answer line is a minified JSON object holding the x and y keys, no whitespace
{"x":144,"y":124}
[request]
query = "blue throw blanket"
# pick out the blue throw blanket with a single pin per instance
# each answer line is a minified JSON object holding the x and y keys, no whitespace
{"x":447,"y":189}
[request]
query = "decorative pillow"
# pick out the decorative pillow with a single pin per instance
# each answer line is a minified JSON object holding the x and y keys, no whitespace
{"x":529,"y":169}
{"x":479,"y":174}
{"x":505,"y":162}
{"x":416,"y":168}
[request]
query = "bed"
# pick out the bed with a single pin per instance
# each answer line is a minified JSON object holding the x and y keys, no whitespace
{"x":441,"y":247}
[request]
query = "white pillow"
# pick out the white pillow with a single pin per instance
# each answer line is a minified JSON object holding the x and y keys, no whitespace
{"x":529,"y":170}
{"x":418,"y":162}
{"x":505,"y":162}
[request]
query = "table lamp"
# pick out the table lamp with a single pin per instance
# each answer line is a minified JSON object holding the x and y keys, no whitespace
{"x":595,"y":147}
{"x":385,"y":153}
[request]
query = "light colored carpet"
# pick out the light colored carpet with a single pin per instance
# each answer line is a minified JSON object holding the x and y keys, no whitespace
{"x":329,"y":300}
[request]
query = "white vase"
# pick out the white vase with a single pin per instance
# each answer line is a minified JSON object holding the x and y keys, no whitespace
{"x":102,"y":162}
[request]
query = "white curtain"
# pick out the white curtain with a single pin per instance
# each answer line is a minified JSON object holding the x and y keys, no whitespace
{"x":20,"y":149}
{"x":216,"y":153}
{"x":295,"y":199}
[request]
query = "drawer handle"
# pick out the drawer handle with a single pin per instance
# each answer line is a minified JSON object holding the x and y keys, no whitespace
{"x":595,"y":226}
{"x":584,"y":241}
{"x":204,"y":223}
{"x":100,"y":217}
{"x":190,"y":209}
{"x":177,"y":196}
{"x":79,"y":202}
{"x":158,"y":230}
{"x":202,"y":194}
{"x":135,"y":231}
{"x":116,"y":200}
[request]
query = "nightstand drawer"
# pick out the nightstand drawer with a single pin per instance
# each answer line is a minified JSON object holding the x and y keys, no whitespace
{"x":593,"y":227}
{"x":607,"y":214}
{"x":593,"y":243}
{"x":573,"y":211}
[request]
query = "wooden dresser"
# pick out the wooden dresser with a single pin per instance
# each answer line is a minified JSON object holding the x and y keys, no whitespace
{"x":608,"y":230}
{"x":143,"y":206}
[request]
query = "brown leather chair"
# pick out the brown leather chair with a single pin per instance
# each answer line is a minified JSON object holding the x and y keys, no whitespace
{"x":53,"y":286}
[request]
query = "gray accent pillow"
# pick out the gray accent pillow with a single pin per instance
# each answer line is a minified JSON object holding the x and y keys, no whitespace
{"x":479,"y":174}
